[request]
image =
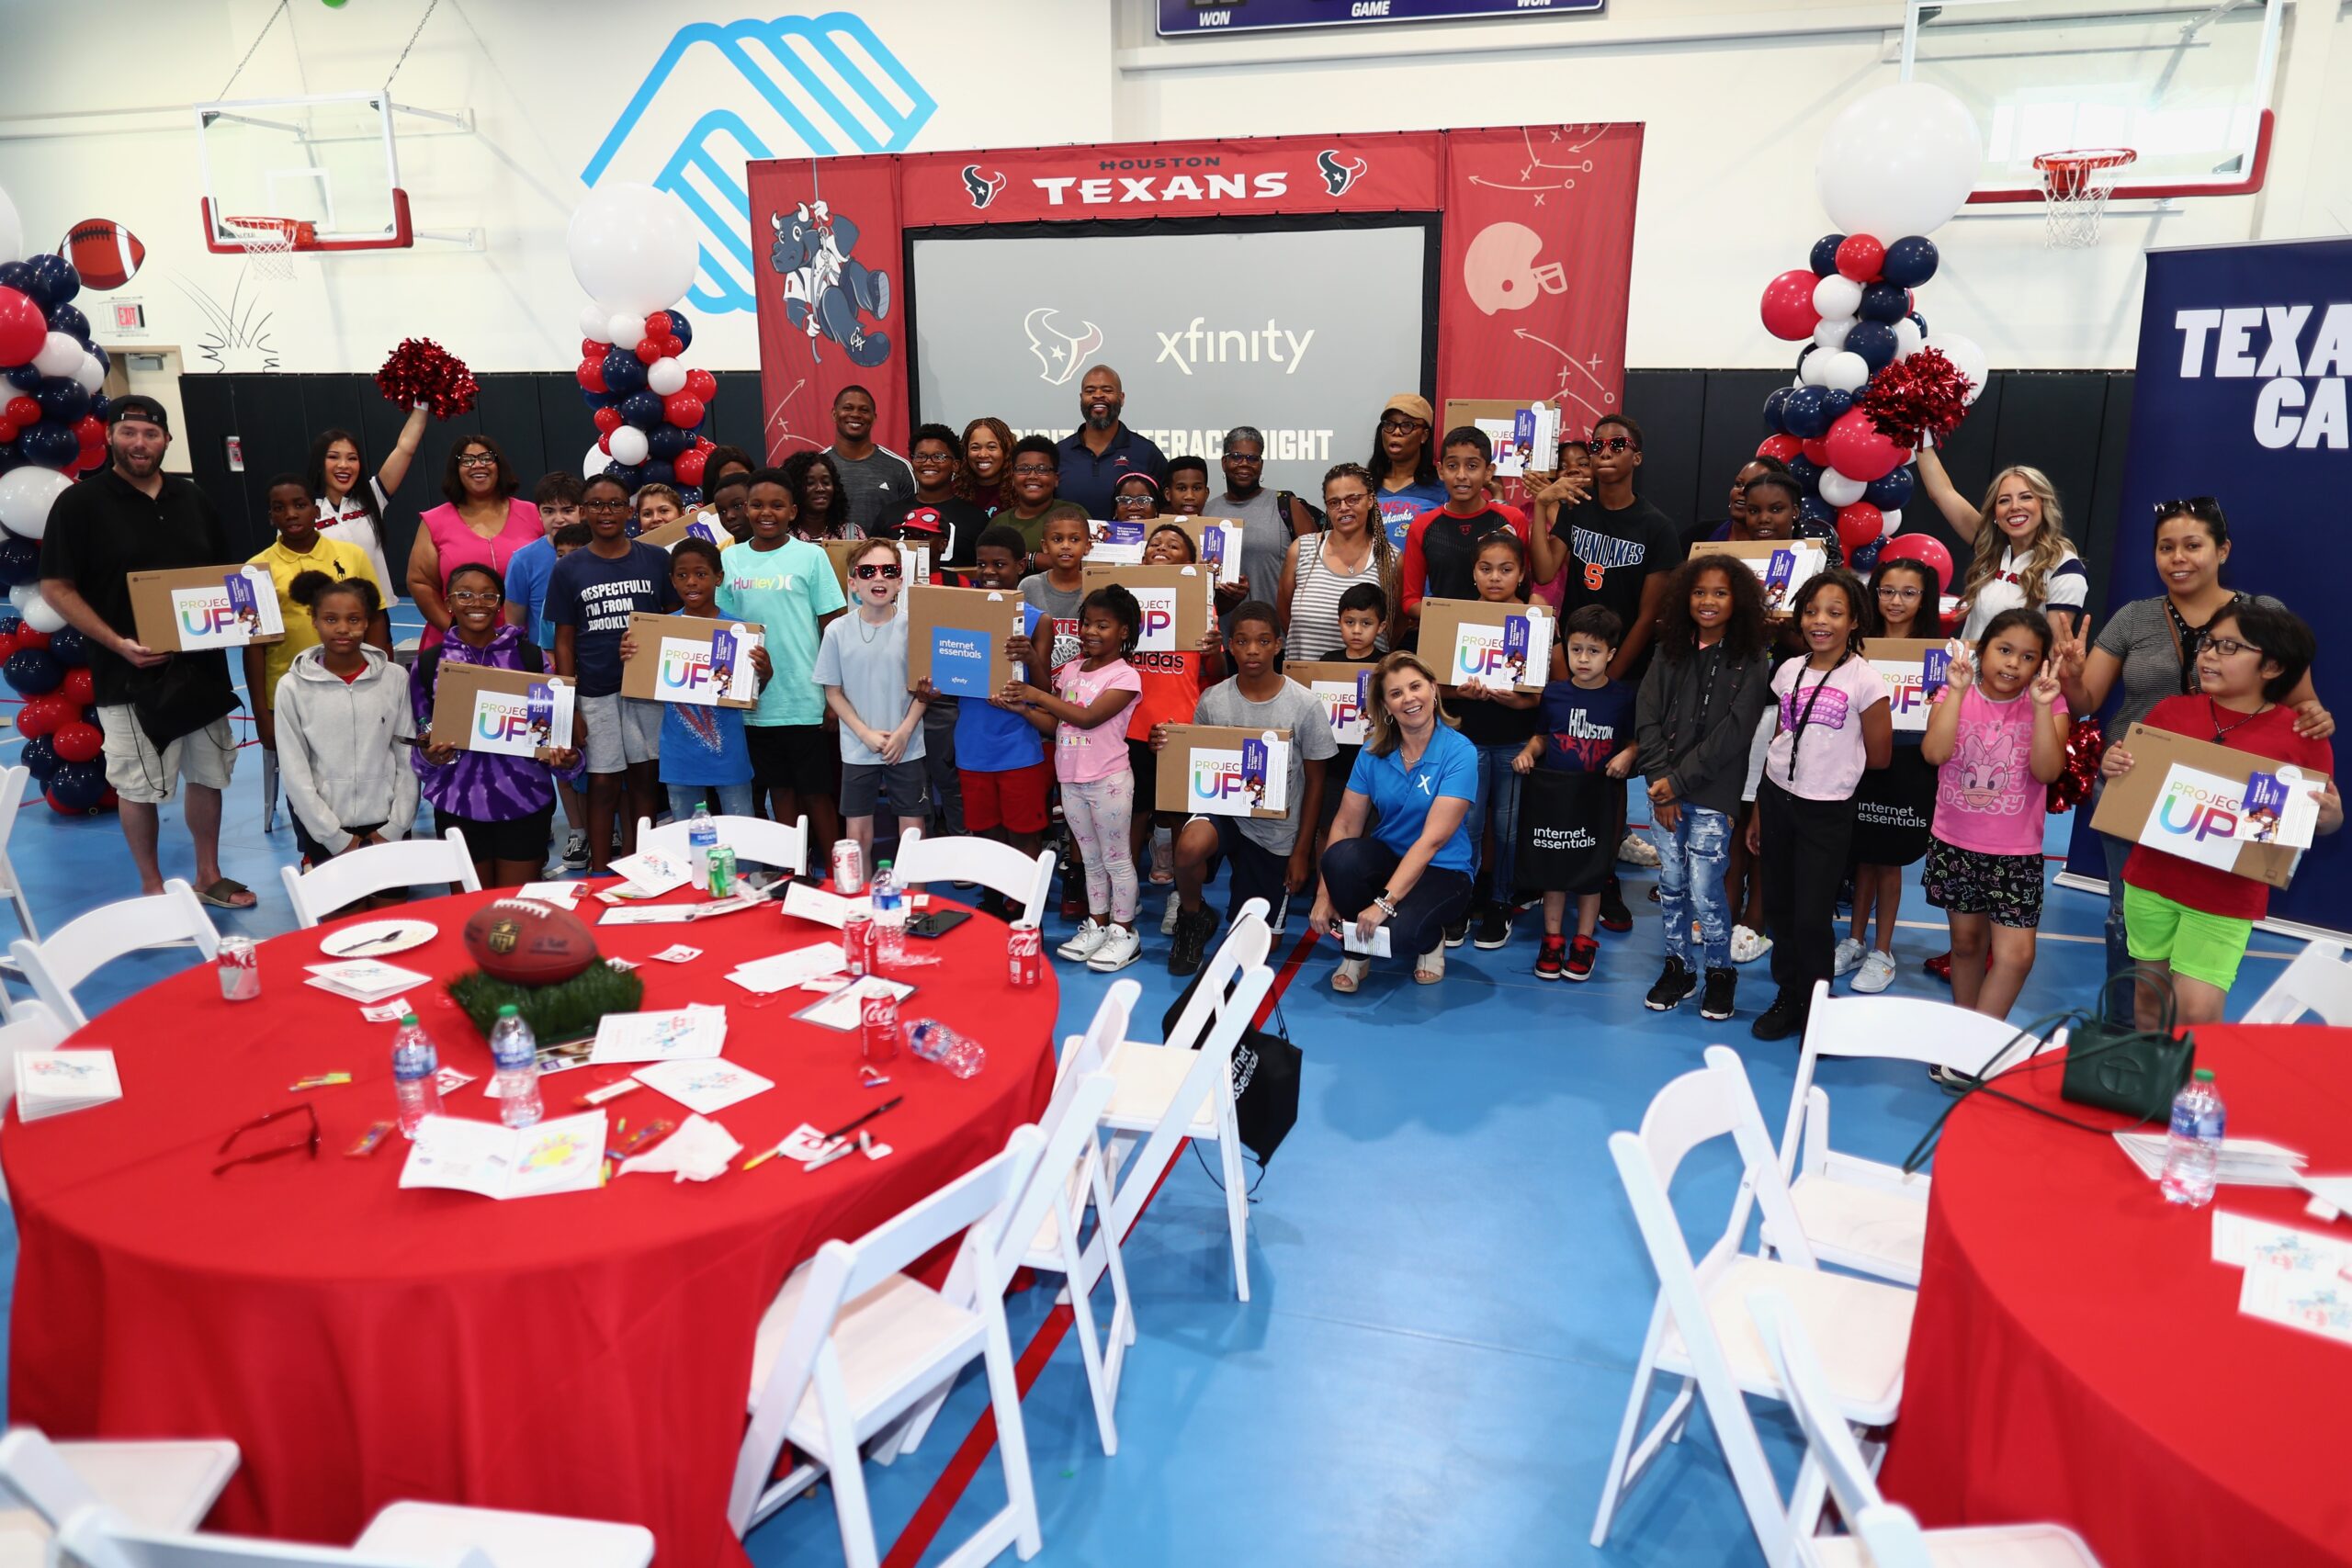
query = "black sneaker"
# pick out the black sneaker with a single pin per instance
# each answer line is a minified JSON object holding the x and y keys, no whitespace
{"x":1716,"y":1003}
{"x":1191,"y":941}
{"x":1784,"y":1018}
{"x":1458,"y":931}
{"x":1614,"y":916}
{"x":1494,"y":926}
{"x":1674,"y":983}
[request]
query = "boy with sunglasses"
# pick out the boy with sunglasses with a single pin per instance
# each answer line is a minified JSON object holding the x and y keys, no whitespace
{"x":1615,"y":548}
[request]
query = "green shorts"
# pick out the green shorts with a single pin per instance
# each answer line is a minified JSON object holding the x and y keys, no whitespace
{"x":2204,"y":947}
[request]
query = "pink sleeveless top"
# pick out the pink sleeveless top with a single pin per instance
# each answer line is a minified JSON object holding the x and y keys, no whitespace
{"x":461,"y":546}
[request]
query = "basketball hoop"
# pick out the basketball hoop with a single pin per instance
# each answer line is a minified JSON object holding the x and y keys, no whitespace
{"x":2074,"y":188}
{"x":269,"y":243}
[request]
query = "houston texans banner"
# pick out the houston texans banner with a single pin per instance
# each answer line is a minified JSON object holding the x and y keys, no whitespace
{"x":1176,"y":180}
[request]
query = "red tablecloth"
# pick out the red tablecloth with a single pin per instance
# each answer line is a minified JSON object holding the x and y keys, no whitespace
{"x":584,"y":1354}
{"x":2078,"y":1357}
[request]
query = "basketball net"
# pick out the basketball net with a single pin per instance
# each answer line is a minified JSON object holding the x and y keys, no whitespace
{"x":268,"y":244}
{"x":2075,"y":189}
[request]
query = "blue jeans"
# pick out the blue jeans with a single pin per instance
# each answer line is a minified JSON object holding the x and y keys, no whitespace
{"x":1498,"y":793}
{"x":734,"y":800}
{"x":1691,"y":886}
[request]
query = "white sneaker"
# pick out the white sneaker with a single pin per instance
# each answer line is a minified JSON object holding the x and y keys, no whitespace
{"x":1876,"y":974}
{"x":1747,"y":946}
{"x":1168,"y":919}
{"x":1085,"y":941}
{"x":1849,"y":958}
{"x":1120,"y":947}
{"x":1634,"y":849}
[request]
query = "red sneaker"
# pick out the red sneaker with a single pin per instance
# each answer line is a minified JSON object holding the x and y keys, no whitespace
{"x":1940,"y":967}
{"x":1581,"y":953}
{"x":1548,"y":957}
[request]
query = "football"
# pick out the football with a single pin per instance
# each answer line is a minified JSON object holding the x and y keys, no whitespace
{"x":525,"y":942}
{"x":104,"y":252}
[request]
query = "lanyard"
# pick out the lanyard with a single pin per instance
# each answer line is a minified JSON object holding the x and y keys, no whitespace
{"x":1796,"y":731}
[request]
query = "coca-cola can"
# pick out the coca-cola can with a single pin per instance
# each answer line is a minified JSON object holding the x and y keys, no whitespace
{"x":877,"y":1026}
{"x":849,"y":867}
{"x":1024,"y":953}
{"x":239,"y":969}
{"x":857,"y":945}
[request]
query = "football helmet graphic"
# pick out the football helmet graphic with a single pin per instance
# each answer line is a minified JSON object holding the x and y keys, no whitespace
{"x":983,"y":185}
{"x":1060,"y":355}
{"x":1338,"y":173}
{"x":1501,"y":271}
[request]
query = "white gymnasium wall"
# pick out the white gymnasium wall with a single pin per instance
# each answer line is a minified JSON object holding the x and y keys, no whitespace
{"x":94,"y":122}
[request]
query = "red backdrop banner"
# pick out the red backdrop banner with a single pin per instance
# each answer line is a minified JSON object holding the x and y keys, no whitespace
{"x":829,"y":316}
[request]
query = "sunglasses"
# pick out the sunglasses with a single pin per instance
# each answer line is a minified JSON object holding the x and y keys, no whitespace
{"x":870,"y":570}
{"x":310,"y":1142}
{"x":1600,"y":444}
{"x":478,"y":460}
{"x":2204,"y":508}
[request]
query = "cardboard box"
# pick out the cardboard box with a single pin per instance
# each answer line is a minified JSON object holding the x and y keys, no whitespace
{"x":686,"y":528}
{"x":197,"y":609}
{"x":1176,"y":602}
{"x":956,"y":638}
{"x":1117,"y":544}
{"x":1913,"y":670}
{"x":509,"y":713}
{"x":1217,"y":542}
{"x":914,"y":561}
{"x":1525,"y":432}
{"x":1466,"y":638}
{"x":2190,"y":798}
{"x":1782,"y":566}
{"x":1345,"y":692}
{"x":1220,"y":770}
{"x":678,"y":661}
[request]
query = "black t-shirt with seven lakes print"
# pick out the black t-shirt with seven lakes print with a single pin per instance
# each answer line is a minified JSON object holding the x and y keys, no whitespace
{"x":1612,"y":556}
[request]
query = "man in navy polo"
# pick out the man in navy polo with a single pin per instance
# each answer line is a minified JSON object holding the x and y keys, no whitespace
{"x":1100,"y":452}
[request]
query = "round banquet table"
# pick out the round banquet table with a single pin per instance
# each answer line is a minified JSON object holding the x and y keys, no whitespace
{"x":2078,"y":1357}
{"x":585,"y":1353}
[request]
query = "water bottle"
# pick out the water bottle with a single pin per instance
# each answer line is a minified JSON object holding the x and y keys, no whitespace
{"x":516,"y":1052}
{"x":2195,"y":1151}
{"x":935,"y":1041}
{"x":889,"y":920}
{"x":413,"y":1065}
{"x":702,"y":837}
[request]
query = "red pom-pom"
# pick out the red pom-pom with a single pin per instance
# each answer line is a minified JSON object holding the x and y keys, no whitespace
{"x":1925,"y":395}
{"x":422,"y":371}
{"x":2073,"y":787}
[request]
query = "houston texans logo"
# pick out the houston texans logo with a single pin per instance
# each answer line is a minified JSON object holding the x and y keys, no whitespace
{"x":1065,"y":354}
{"x":983,"y":187}
{"x":1338,"y":173}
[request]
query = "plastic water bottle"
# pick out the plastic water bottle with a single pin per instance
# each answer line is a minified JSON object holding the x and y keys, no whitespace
{"x":413,"y":1064}
{"x":2197,"y":1117}
{"x":516,"y":1052}
{"x":889,"y":920}
{"x":935,"y":1041}
{"x":702,"y":837}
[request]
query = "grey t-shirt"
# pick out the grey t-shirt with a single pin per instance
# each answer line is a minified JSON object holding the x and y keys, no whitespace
{"x":1295,"y":709}
{"x":1058,"y":630}
{"x":2141,"y":635}
{"x":869,"y":664}
{"x":876,"y":488}
{"x":1265,"y":540}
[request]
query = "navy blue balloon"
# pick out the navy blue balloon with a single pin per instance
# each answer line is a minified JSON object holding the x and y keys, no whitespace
{"x":1874,"y":341}
{"x":1883,"y":302}
{"x":1865,"y":561}
{"x":1836,"y":402}
{"x":1805,"y":472}
{"x":9,"y":457}
{"x":1807,"y":420}
{"x":1775,"y":416}
{"x":54,"y":279}
{"x":62,"y":399}
{"x":1824,"y":255}
{"x":667,"y":441}
{"x":680,"y":328}
{"x":624,"y":372}
{"x":50,"y":445}
{"x":100,"y":404}
{"x":40,"y":756}
{"x":691,"y":494}
{"x":1817,"y":512}
{"x":1910,"y":260}
{"x":18,"y":275}
{"x":599,"y":399}
{"x":658,"y":472}
{"x":66,"y":644}
{"x":20,"y":563}
{"x":642,"y":409}
{"x":1919,"y":321}
{"x":77,"y":786}
{"x":90,"y":714}
{"x":32,"y":672}
{"x":24,"y":378}
{"x":69,"y":320}
{"x":1890,"y":493}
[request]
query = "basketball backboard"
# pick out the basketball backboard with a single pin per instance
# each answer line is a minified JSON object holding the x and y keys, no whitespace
{"x":2183,"y":83}
{"x":325,"y":167}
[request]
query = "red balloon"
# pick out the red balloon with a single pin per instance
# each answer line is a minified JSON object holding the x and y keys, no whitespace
{"x":648,"y":350}
{"x":1857,"y":526}
{"x":699,"y":383}
{"x":1788,"y":305}
{"x":90,"y":430}
{"x":27,"y":637}
{"x":1925,"y":549}
{"x":7,"y":433}
{"x":40,"y":715}
{"x":590,"y":349}
{"x":23,"y":329}
{"x":605,"y":443}
{"x":91,"y":458}
{"x":77,"y":690}
{"x":110,"y":800}
{"x":673,"y":346}
{"x":608,"y":420}
{"x":591,"y":374}
{"x":1857,"y":448}
{"x":1816,"y":451}
{"x":1781,"y":447}
{"x":690,"y":465}
{"x":8,"y":646}
{"x":77,"y":742}
{"x":20,"y":411}
{"x":1860,"y":257}
{"x":683,"y":409}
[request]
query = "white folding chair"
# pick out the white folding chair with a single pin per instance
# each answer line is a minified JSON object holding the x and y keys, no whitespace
{"x":377,"y":868}
{"x":1170,"y":1092}
{"x":1858,"y":1213}
{"x":2318,"y":980}
{"x":852,"y":1345}
{"x":13,"y":783}
{"x":783,"y":845}
{"x":1025,"y":879}
{"x":1699,"y":1330}
{"x":54,"y":966}
{"x":1894,"y":1540}
{"x":157,"y":1485}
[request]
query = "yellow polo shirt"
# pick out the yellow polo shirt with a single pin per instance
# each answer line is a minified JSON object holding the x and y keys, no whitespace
{"x":336,"y":557}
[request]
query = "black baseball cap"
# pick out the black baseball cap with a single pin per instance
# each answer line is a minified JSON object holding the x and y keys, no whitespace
{"x":138,"y":405}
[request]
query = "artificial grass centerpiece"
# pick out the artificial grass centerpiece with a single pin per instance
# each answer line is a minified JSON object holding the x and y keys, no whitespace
{"x":566,"y":1010}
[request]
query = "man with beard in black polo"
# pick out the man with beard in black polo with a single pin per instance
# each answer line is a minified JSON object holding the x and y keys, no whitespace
{"x":1095,"y":456}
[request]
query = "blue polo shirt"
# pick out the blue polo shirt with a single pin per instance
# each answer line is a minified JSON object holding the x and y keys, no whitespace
{"x":1401,"y":796}
{"x":1089,"y":479}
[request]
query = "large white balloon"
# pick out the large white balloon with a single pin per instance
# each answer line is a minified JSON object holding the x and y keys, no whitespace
{"x":1810,"y":372}
{"x":665,"y":376}
{"x":60,"y":355}
{"x":629,"y":446}
{"x":1843,"y":372}
{"x":633,"y":248}
{"x":1837,"y":490}
{"x":36,"y":610}
{"x":593,"y":317}
{"x":1964,"y":353}
{"x":596,"y":461}
{"x":91,"y":374}
{"x":1836,"y":296}
{"x":1830,"y":330}
{"x":1899,"y":161}
{"x":1907,"y":338}
{"x":12,"y":231}
{"x":1889,"y":522}
{"x":25,"y":495}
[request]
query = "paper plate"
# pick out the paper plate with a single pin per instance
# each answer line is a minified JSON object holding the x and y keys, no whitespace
{"x":375,"y":938}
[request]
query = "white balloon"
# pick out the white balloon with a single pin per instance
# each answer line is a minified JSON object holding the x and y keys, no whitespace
{"x":1837,"y":490}
{"x":91,"y":374}
{"x":1889,"y":521}
{"x":1899,"y":161}
{"x":593,"y":317}
{"x":1907,"y":338}
{"x":60,"y":355}
{"x":1835,"y":296}
{"x":25,"y":495}
{"x":1830,"y":330}
{"x":633,"y":248}
{"x":1843,"y":372}
{"x":12,"y":231}
{"x":1965,"y":353}
{"x":37,"y":612}
{"x":629,"y":446}
{"x":596,"y":461}
{"x":665,"y":376}
{"x":627,"y":330}
{"x":1809,"y":373}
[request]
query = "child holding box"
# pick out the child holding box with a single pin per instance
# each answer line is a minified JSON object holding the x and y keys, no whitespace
{"x":703,"y":747}
{"x":1585,"y":726}
{"x":861,"y":665}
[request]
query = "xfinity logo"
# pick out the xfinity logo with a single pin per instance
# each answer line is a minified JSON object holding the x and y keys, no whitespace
{"x":1270,"y":185}
{"x":1198,"y":344}
{"x":1060,"y":355}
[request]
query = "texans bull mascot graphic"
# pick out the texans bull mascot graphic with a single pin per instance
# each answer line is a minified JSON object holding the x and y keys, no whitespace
{"x":828,"y":292}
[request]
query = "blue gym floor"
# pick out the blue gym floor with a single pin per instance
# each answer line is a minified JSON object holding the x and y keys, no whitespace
{"x":1447,"y":1290}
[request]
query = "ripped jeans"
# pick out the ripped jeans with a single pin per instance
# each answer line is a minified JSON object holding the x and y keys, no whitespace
{"x":1691,"y":886}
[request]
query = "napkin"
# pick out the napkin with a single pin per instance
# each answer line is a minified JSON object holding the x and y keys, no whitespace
{"x":698,"y":1151}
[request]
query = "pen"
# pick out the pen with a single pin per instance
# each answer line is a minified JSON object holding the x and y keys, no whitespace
{"x":838,"y":1134}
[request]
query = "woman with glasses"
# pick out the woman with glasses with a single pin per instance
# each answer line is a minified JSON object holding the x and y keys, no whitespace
{"x":1353,"y":547}
{"x":483,"y":519}
{"x":1894,"y":806}
{"x":2149,"y":646}
{"x":1407,"y":466}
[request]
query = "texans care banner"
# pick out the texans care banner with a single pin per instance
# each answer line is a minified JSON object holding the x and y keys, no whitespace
{"x":2245,"y":353}
{"x":1535,"y":247}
